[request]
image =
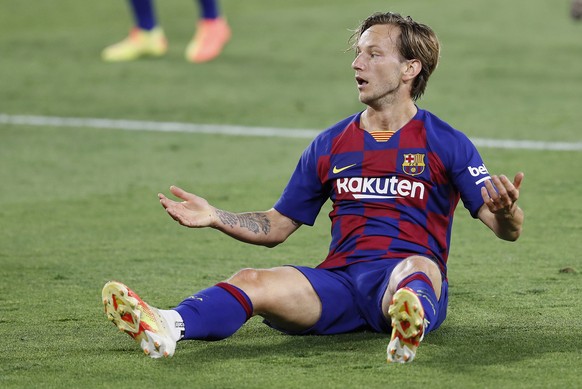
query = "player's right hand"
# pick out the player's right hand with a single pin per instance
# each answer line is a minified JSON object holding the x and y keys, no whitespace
{"x":193,"y":211}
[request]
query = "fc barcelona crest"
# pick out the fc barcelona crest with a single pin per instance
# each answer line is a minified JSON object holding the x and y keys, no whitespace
{"x":413,"y":164}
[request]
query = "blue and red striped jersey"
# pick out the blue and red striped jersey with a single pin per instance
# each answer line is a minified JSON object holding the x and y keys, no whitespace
{"x":389,"y":199}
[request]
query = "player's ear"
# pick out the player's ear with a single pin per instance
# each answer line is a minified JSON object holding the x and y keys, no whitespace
{"x":412,"y":68}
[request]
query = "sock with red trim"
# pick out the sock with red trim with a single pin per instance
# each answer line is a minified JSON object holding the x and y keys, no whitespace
{"x":215,"y":313}
{"x":422,"y":286}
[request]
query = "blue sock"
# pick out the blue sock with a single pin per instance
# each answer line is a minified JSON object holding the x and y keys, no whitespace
{"x":209,"y":9}
{"x":215,"y":313}
{"x":143,"y":13}
{"x":421,"y":284}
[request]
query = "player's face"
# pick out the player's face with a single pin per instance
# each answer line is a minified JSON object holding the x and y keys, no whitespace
{"x":378,"y":65}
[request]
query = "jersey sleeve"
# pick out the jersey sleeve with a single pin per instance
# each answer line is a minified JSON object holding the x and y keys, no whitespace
{"x":469,"y":174}
{"x":305,"y":193}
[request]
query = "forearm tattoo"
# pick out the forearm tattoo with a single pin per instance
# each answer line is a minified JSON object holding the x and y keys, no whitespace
{"x":255,"y":222}
{"x":226,"y":218}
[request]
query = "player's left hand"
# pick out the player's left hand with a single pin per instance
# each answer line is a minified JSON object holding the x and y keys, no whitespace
{"x":500,"y":195}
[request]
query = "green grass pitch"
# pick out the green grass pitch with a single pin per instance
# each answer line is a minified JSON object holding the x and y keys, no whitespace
{"x":78,"y":206}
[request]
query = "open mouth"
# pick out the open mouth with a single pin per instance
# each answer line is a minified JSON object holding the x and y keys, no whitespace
{"x":361,"y":82}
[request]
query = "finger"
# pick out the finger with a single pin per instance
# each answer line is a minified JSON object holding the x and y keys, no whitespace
{"x":499,"y":186}
{"x":180,"y":193}
{"x":485,"y":195}
{"x":176,"y":191}
{"x":491,"y":191}
{"x":487,"y":199}
{"x":166,"y":202}
{"x":512,"y":191}
{"x":518,"y":179}
{"x":504,"y":186}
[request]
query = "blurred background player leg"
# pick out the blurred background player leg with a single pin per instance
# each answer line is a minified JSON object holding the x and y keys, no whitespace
{"x":576,"y":9}
{"x":146,"y":38}
{"x":212,"y":33}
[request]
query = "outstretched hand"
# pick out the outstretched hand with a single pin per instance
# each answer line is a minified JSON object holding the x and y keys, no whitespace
{"x":500,"y":195}
{"x":193,"y":211}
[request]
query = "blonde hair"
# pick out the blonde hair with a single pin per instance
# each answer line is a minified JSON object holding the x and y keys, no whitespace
{"x":417,"y":41}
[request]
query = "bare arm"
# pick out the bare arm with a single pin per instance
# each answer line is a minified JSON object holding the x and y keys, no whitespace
{"x":268,"y":228}
{"x":500,"y":211}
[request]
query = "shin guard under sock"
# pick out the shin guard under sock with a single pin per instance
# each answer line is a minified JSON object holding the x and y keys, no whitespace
{"x":215,"y":313}
{"x":422,"y":286}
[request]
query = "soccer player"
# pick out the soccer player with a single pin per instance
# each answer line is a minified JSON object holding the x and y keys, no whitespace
{"x":394,"y":174}
{"x":147,"y":38}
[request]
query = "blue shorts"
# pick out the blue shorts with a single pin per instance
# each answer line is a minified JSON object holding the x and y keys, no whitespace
{"x":351,"y":298}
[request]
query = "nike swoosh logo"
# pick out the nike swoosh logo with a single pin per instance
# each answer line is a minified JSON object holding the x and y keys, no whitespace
{"x":341,"y":169}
